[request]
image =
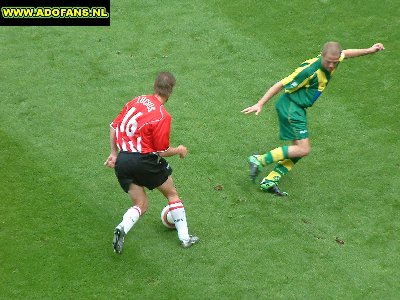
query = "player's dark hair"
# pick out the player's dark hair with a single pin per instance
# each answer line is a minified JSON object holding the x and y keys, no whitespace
{"x":164,"y":84}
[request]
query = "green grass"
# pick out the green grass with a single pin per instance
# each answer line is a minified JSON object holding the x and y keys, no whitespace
{"x":62,"y":86}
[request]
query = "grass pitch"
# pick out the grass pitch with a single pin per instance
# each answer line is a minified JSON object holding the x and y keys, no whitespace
{"x":335,"y":236}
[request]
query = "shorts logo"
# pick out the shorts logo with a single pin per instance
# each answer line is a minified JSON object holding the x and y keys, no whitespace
{"x":294,"y":84}
{"x":302,"y":131}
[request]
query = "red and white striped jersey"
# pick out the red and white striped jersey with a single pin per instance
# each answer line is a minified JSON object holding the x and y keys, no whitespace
{"x":142,"y":126}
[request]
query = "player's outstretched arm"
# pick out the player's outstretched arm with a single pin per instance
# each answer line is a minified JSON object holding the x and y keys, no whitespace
{"x":349,"y":53}
{"x":256,"y":108}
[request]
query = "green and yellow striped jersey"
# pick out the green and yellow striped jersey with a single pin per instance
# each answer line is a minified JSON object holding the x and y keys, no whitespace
{"x":308,"y":81}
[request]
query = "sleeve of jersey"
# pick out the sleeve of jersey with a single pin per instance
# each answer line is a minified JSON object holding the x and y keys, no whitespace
{"x":118,"y":119}
{"x":161,"y":134}
{"x":296,"y":80}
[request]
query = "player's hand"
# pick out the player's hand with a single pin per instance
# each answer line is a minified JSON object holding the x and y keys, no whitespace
{"x":110,"y":162}
{"x":377,"y":47}
{"x":183,"y":151}
{"x":257,"y":108}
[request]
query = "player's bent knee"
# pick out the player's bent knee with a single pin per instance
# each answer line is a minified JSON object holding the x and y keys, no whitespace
{"x":305,"y":151}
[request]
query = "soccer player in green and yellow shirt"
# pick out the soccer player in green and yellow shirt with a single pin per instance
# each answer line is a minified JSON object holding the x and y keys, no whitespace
{"x":301,"y":89}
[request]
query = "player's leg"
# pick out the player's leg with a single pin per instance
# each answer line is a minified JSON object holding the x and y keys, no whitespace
{"x":140,"y":204}
{"x":131,"y":216}
{"x":177,"y":212}
{"x":127,"y":168}
{"x":297,"y":150}
{"x":292,"y":126}
{"x":300,"y":148}
{"x":271,"y":180}
{"x":274,"y":155}
{"x":256,"y":162}
{"x":282,"y":168}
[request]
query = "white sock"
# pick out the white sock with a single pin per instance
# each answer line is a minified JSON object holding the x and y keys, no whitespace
{"x":130,"y":218}
{"x":178,"y":214}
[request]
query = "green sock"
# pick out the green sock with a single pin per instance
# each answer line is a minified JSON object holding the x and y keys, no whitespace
{"x":276,"y":154}
{"x":282,"y":168}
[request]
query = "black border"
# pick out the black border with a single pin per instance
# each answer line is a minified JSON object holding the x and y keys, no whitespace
{"x":55,"y":21}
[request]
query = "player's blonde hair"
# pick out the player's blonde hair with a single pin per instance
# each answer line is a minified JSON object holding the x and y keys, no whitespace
{"x":333,"y":48}
{"x":164,"y":84}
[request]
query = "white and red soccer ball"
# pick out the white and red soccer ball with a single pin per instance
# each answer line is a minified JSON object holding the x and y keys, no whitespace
{"x":166,"y":218}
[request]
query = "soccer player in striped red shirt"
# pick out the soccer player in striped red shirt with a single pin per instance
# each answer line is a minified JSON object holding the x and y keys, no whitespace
{"x":139,"y":141}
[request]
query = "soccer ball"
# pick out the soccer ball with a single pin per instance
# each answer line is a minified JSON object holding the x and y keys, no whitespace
{"x":166,"y":218}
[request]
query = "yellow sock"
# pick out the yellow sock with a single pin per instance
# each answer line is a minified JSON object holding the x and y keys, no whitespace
{"x":282,"y":168}
{"x":276,"y":154}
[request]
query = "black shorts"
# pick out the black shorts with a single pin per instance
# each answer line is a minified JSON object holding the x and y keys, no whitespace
{"x":149,"y":170}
